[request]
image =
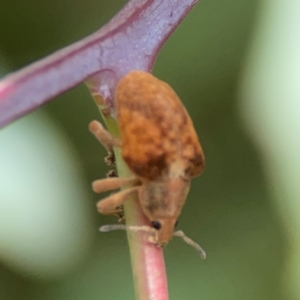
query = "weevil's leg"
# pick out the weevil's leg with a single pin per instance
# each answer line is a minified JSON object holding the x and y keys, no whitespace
{"x":112,"y":204}
{"x":112,"y":183}
{"x":106,"y":139}
{"x":103,"y":136}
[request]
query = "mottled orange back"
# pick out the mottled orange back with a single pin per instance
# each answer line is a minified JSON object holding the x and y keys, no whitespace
{"x":158,"y":136}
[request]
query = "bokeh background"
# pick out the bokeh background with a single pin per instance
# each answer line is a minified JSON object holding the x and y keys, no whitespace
{"x":236,"y":66}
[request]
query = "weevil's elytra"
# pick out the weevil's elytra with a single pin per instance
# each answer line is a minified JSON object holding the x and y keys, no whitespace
{"x":157,"y":133}
{"x":161,"y":148}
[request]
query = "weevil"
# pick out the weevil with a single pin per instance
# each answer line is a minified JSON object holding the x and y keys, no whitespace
{"x":160,"y":146}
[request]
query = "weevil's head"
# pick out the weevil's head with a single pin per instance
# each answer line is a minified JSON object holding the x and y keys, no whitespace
{"x":162,"y":202}
{"x":163,"y":231}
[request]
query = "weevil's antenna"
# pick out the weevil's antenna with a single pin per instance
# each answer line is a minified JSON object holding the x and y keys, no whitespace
{"x":145,"y":228}
{"x":111,"y":227}
{"x":191,"y":243}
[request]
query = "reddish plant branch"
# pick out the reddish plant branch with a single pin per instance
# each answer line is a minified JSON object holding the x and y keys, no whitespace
{"x":129,"y":41}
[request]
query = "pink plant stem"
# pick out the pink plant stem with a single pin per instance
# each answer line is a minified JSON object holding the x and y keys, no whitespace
{"x":129,"y":41}
{"x":148,"y":266}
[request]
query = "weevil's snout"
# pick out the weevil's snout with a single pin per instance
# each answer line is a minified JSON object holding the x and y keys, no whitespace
{"x":164,"y":229}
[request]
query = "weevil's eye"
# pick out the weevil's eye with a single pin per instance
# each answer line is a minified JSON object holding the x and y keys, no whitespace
{"x":176,"y":223}
{"x":156,"y":225}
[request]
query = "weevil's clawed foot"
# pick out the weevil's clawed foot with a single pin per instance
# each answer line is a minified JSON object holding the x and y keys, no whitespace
{"x":110,"y":159}
{"x":111,"y":174}
{"x":120,"y":214}
{"x":122,"y":219}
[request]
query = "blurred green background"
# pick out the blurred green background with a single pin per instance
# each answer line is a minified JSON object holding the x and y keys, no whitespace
{"x":50,"y":247}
